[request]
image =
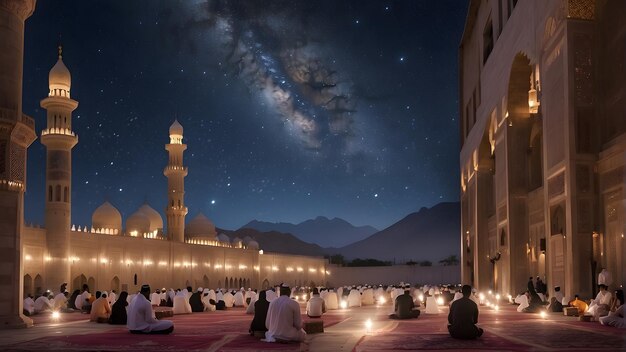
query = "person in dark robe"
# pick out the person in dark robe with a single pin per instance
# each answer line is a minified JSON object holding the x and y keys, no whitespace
{"x":404,"y":306}
{"x":463,"y":317}
{"x":220,"y":305}
{"x":196,"y":301}
{"x":118,"y":311}
{"x":71,"y":303}
{"x":260,"y":313}
{"x":534,"y":302}
{"x":555,"y":305}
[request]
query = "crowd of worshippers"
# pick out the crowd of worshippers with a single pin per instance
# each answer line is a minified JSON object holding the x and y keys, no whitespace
{"x":607,"y":307}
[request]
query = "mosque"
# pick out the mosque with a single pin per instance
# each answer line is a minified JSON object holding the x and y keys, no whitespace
{"x":108,"y":254}
{"x":543,"y":144}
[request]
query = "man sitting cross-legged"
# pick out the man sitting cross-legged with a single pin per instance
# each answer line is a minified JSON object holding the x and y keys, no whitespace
{"x":463,"y":317}
{"x":404,"y":306}
{"x":283,"y":321}
{"x":141,"y":319}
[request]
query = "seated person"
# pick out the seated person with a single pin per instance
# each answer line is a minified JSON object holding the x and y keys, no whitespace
{"x":284,"y":322}
{"x":463,"y":317}
{"x":404,"y":307}
{"x":261,"y":305}
{"x":616,"y":315}
{"x":181,"y":303}
{"x":60,"y":302}
{"x":315,"y":307}
{"x":118,"y":311}
{"x":534,"y":301}
{"x":207,"y":302}
{"x":141,"y":319}
{"x":43,"y":304}
{"x":100,"y":309}
{"x":581,"y":305}
{"x":555,"y":305}
{"x":71,"y":302}
{"x":558,"y":294}
{"x":29,"y":306}
{"x":195,"y":301}
{"x":601,"y":305}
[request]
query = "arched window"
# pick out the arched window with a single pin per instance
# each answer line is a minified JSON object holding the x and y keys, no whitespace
{"x":49,"y":193}
{"x":65,"y":194}
{"x":503,"y":238}
{"x":58,"y":193}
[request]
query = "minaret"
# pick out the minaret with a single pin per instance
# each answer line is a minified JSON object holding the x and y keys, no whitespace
{"x":59,"y":140}
{"x":17,"y":132}
{"x":175,"y":173}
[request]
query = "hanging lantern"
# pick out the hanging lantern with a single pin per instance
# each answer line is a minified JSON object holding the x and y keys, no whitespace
{"x":533,"y":103}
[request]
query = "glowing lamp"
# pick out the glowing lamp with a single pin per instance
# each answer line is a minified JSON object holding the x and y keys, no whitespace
{"x":421,"y":298}
{"x":368,"y":325}
{"x":489,"y":292}
{"x":543,"y":314}
{"x":343,"y":304}
{"x":533,"y":102}
{"x":382,"y":300}
{"x":497,"y":308}
{"x":498,"y":296}
{"x":56,"y":315}
{"x":440,"y":301}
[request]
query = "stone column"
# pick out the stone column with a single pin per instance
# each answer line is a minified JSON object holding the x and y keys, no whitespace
{"x":17,"y":132}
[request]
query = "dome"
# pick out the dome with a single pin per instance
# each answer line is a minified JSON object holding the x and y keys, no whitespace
{"x":138,"y":222}
{"x":176,"y":128}
{"x":59,"y":77}
{"x":106,"y":216}
{"x":236,"y":239}
{"x":247,"y":239}
{"x":223,"y":238}
{"x":253,"y":245}
{"x":156,"y":222}
{"x":200,"y":226}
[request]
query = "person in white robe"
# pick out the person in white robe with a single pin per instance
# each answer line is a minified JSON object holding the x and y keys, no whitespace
{"x":283,"y":320}
{"x":60,"y":301}
{"x":219,"y":296}
{"x":43,"y":304}
{"x":131,"y":297}
{"x":599,"y":306}
{"x":522,"y":300}
{"x":29,"y":306}
{"x":270,"y":295}
{"x":250,"y":307}
{"x":229,"y":299}
{"x":354,"y":298}
{"x":206,"y":301}
{"x":331,"y":300}
{"x":249,"y":295}
{"x":112,"y":297}
{"x":316,"y":306}
{"x":163,"y":296}
{"x":141,"y":318}
{"x":558,"y":294}
{"x":181,"y":303}
{"x":239,"y":299}
{"x":155,"y":298}
{"x":367,"y":298}
{"x":339,"y":292}
{"x":82,"y":299}
{"x":604,"y":278}
{"x":212,"y":295}
{"x":457,"y":296}
{"x":170,"y":296}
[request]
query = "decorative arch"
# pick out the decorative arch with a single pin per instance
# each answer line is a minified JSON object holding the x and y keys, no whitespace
{"x":226,"y":283}
{"x":115,"y":284}
{"x":219,"y":284}
{"x":79,"y":281}
{"x":240,"y":283}
{"x":28,"y":285}
{"x":231,"y":283}
{"x":38,"y":283}
{"x":557,"y":221}
{"x":265,"y":285}
{"x":92,"y":284}
{"x":205,"y":281}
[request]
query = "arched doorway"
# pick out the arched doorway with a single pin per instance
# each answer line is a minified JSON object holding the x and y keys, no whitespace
{"x":205,"y":281}
{"x":78,"y":282}
{"x":28,"y":285}
{"x":265,"y":285}
{"x":115,"y":284}
{"x":92,"y":284}
{"x":240,"y":283}
{"x":226,"y":283}
{"x":38,"y":285}
{"x":231,"y":283}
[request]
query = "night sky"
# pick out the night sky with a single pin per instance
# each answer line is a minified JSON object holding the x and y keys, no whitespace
{"x":291,"y":109}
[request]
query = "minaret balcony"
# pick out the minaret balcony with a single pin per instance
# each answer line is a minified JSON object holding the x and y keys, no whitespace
{"x":174,"y":169}
{"x":56,"y":130}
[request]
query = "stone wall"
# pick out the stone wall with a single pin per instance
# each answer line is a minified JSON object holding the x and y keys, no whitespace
{"x":386,"y":275}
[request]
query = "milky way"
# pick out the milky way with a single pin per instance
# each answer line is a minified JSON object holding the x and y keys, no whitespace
{"x":291,"y":109}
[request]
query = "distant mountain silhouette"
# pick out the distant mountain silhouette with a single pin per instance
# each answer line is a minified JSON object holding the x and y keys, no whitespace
{"x":273,"y":241}
{"x":430,"y":234}
{"x":325,"y":232}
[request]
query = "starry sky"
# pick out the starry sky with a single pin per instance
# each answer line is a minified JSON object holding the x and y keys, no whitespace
{"x":291,"y":109}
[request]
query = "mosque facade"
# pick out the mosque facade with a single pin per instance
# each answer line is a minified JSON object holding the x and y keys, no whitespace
{"x":543,"y":136}
{"x":107,"y":254}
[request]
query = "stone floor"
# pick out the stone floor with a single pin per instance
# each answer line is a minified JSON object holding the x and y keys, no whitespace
{"x":345,"y":330}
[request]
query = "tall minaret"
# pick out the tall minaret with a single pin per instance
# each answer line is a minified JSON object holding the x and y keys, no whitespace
{"x":59,"y":141}
{"x":17,"y":132}
{"x":175,"y":173}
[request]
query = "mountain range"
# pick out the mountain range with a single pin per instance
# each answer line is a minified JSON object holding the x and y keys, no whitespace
{"x":429,"y":234}
{"x":323,"y":231}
